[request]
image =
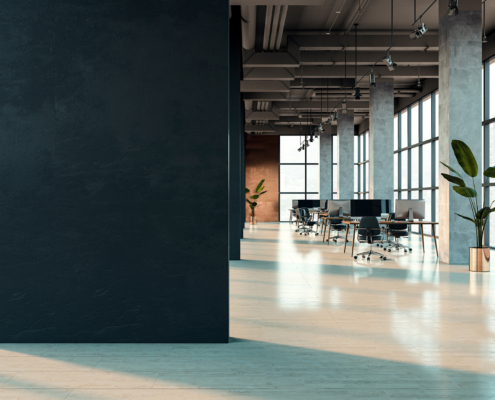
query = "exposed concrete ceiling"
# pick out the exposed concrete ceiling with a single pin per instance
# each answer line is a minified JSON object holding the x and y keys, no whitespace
{"x":294,"y":56}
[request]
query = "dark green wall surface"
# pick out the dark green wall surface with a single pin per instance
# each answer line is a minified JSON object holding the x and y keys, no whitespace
{"x":114,"y":171}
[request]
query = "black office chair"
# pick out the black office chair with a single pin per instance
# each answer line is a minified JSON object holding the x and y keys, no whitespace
{"x":369,"y":232}
{"x":335,"y":225}
{"x":397,"y":232}
{"x":307,"y":223}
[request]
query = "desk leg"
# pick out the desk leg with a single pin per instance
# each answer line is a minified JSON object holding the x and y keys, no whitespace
{"x":354,"y":229}
{"x":290,"y":218}
{"x":324,"y":229}
{"x":434,"y":237}
{"x":422,"y":237}
{"x":346,"y":233}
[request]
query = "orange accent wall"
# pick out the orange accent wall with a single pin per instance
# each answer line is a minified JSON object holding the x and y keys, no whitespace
{"x":262,"y":155}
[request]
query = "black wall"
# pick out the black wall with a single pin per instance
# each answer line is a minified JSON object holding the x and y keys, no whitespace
{"x":114,"y":171}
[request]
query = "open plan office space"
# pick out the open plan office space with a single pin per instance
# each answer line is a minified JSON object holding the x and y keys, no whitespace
{"x":254,"y":200}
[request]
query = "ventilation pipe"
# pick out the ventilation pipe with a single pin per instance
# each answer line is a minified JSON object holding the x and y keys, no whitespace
{"x":281,"y":26}
{"x":248,"y":15}
{"x":274,"y":30}
{"x":268,"y":26}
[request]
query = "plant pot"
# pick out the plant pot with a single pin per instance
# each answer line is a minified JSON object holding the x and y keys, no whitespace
{"x":479,"y":259}
{"x":253,"y":221}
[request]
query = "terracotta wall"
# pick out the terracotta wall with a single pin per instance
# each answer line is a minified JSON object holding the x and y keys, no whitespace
{"x":262,"y":155}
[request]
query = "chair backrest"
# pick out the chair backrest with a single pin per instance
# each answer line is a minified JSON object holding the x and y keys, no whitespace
{"x":397,"y":227}
{"x":336,"y":221}
{"x":369,"y":223}
{"x":304,"y":213}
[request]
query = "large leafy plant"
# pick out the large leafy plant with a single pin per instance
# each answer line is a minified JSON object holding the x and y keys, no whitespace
{"x":252,"y":199}
{"x":468,"y":163}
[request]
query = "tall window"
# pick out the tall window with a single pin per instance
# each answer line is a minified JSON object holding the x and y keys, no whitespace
{"x":488,"y":129}
{"x":361,"y":166}
{"x":299,"y":173}
{"x":416,"y":155}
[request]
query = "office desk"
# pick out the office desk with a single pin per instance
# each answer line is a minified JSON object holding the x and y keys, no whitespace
{"x":291,"y":212}
{"x":326,"y":222}
{"x":391,"y":223}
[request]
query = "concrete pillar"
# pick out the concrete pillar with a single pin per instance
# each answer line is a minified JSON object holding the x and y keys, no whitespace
{"x":382,"y":140}
{"x":236,"y":131}
{"x":459,"y":118}
{"x":345,"y":156}
{"x":326,"y":165}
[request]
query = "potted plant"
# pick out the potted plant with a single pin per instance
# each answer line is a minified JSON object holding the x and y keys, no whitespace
{"x":251,"y":199}
{"x":479,"y":256}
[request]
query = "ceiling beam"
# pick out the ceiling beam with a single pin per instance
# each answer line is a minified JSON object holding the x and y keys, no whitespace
{"x":315,"y":105}
{"x":276,"y":2}
{"x":278,"y":74}
{"x":281,"y":60}
{"x":368,"y":57}
{"x":312,"y":83}
{"x":265,"y":96}
{"x":380,"y":72}
{"x":365,"y":42}
{"x":264,"y":86}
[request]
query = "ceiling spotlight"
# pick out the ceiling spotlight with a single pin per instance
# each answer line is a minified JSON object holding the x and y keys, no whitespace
{"x":311,"y":139}
{"x":372,"y":78}
{"x":390,"y":64}
{"x":453,"y":7}
{"x":485,"y":40}
{"x":344,"y":107}
{"x":299,"y":149}
{"x":303,"y":147}
{"x":357,"y":94}
{"x":328,"y":120}
{"x":420,"y":31}
{"x":335,"y":114}
{"x":320,"y":128}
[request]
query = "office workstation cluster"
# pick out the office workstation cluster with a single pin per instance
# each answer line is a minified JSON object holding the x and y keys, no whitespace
{"x":371,"y":220}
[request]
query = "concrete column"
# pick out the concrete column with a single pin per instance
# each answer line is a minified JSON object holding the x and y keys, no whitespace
{"x":345,"y":156}
{"x":382,"y":140}
{"x":459,"y":118}
{"x":326,"y":164}
{"x":236,"y":131}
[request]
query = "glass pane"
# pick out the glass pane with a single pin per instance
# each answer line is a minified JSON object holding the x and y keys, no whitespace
{"x":427,"y":198}
{"x":436,"y":207}
{"x":396,"y":197}
{"x":286,"y":204}
{"x":288,"y":149}
{"x":356,"y":149}
{"x":415,"y":196}
{"x":292,"y":178}
{"x":361,"y":183}
{"x":437,"y":166}
{"x":313,"y":152}
{"x":427,"y":165}
{"x":396,"y":132}
{"x":313,"y":178}
{"x":437,"y":100}
{"x":366,"y":177}
{"x":427,"y":118}
{"x":404,"y":142}
{"x":404,"y":180}
{"x":313,"y":196}
{"x":361,"y":148}
{"x":492,"y":147}
{"x":396,"y":171}
{"x":334,"y":183}
{"x":334,"y":149}
{"x":492,"y":220}
{"x":492,"y":88}
{"x":415,"y":167}
{"x":356,"y":186}
{"x":367,"y":146}
{"x":415,"y":124}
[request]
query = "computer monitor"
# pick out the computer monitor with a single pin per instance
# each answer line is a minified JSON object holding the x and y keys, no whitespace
{"x":339,"y":207}
{"x":409,"y":209}
{"x":369,"y":207}
{"x":323,"y":204}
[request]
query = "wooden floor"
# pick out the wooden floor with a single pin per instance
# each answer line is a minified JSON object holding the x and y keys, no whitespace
{"x":307,"y":322}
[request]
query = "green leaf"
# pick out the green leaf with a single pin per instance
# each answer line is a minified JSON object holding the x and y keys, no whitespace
{"x":454,"y":179}
{"x":465,"y":158}
{"x":490,"y":172}
{"x":259,"y":185}
{"x":451,"y":169}
{"x":255,"y":196}
{"x":254,"y":204}
{"x":469,"y":219}
{"x":263,"y":192}
{"x":465,"y":191}
{"x":261,"y":189}
{"x":249,"y":201}
{"x":483,"y":213}
{"x":246,"y":190}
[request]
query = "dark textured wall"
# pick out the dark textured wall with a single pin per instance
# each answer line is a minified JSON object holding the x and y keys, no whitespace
{"x":107,"y":113}
{"x":262,"y":159}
